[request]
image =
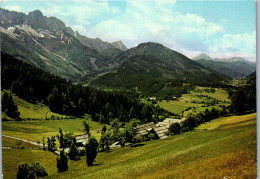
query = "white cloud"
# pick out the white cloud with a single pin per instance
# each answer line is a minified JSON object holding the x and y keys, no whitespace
{"x":151,"y":20}
{"x":13,"y":8}
{"x":230,"y":45}
{"x":114,"y":10}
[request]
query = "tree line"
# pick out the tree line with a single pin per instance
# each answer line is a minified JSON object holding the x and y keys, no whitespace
{"x":35,"y":85}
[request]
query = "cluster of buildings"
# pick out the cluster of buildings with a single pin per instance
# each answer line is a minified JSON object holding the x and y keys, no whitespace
{"x":159,"y":130}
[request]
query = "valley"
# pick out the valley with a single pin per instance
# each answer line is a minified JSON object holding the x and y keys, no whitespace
{"x":75,"y":106}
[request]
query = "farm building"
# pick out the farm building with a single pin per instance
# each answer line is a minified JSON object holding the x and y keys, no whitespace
{"x":144,"y":129}
{"x":81,"y":140}
{"x":168,"y":121}
{"x":160,"y":129}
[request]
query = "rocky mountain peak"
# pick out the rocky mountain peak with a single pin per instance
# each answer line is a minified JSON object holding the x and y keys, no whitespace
{"x":36,"y":20}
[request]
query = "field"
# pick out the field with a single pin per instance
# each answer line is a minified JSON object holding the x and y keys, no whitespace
{"x":194,"y":100}
{"x":36,"y":130}
{"x":225,"y":147}
{"x":32,"y":111}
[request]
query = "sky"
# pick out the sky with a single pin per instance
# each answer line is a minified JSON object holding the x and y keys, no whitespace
{"x":221,"y":29}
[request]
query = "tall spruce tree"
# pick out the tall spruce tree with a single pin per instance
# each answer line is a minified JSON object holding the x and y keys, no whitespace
{"x":9,"y":107}
{"x":62,"y":162}
{"x":91,"y":150}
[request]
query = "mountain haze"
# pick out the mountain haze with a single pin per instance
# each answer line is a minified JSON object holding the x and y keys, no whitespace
{"x":233,"y":67}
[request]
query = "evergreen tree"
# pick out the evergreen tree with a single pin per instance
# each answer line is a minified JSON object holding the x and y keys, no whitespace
{"x":74,"y":153}
{"x":62,"y":162}
{"x":81,"y":107}
{"x":86,"y":127}
{"x":43,"y":143}
{"x":132,"y":113}
{"x":105,"y":142}
{"x":9,"y":107}
{"x":104,"y":129}
{"x":147,"y":113}
{"x":102,"y":119}
{"x":91,"y":150}
{"x":55,"y":102}
{"x":61,"y":138}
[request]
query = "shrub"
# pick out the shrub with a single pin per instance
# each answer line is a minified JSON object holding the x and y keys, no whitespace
{"x":31,"y":171}
{"x":175,"y":128}
{"x":151,"y":136}
{"x":82,"y":152}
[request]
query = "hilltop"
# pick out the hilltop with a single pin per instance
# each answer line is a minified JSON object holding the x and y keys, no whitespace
{"x":154,"y":69}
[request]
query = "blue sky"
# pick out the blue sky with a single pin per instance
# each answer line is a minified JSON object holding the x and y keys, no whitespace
{"x":221,"y":28}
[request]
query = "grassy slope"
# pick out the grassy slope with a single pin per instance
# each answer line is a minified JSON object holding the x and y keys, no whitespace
{"x":31,"y":111}
{"x":228,"y":149}
{"x":12,"y":157}
{"x":179,"y":106}
{"x":36,"y":130}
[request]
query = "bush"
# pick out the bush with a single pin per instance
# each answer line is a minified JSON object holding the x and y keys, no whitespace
{"x":151,"y":136}
{"x":31,"y":171}
{"x":175,"y":128}
{"x":82,"y":152}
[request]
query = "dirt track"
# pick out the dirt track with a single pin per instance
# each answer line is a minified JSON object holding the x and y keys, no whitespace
{"x":24,"y":140}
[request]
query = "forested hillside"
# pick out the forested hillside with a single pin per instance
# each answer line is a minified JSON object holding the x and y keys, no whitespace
{"x":36,"y":85}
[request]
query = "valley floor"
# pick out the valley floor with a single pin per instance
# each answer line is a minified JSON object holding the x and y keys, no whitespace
{"x":225,"y":147}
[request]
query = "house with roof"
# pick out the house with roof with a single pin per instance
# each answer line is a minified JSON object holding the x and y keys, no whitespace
{"x":144,"y":130}
{"x":160,"y":129}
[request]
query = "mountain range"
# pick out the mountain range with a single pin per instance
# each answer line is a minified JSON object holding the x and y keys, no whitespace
{"x":150,"y":68}
{"x":232,"y":67}
{"x":47,"y":43}
{"x":155,"y":69}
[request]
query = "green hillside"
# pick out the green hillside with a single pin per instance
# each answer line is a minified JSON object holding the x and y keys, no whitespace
{"x":197,"y":101}
{"x":226,"y":150}
{"x":156,"y":70}
{"x":30,"y":111}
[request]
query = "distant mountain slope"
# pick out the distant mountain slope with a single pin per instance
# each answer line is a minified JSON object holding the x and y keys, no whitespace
{"x":36,"y":20}
{"x":111,"y":52}
{"x":99,"y":44}
{"x":233,"y":67}
{"x":148,"y":66}
{"x":59,"y":52}
{"x":47,"y":43}
{"x":202,"y":56}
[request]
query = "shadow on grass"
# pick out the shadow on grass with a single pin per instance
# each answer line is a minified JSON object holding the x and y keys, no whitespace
{"x":137,"y":145}
{"x":97,"y":164}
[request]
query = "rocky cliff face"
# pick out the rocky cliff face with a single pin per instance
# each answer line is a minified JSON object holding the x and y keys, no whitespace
{"x":36,"y":20}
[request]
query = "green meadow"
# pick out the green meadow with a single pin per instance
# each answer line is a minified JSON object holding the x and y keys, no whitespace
{"x":36,"y":130}
{"x":192,"y":100}
{"x":32,"y":111}
{"x":225,"y":147}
